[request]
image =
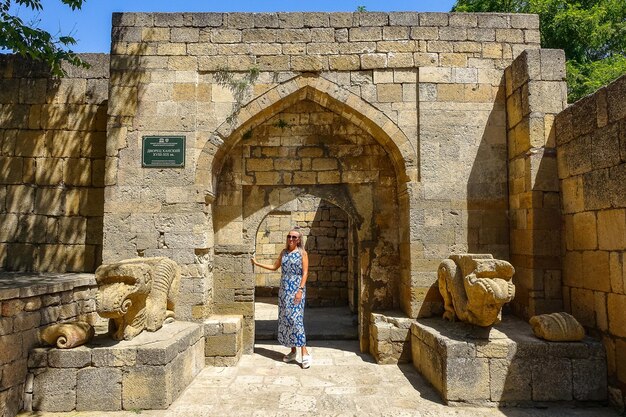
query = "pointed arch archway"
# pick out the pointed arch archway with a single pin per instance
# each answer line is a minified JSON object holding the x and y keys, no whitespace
{"x":328,"y":95}
{"x":310,"y":135}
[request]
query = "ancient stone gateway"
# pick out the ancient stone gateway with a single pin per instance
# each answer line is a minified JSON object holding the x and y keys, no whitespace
{"x":393,"y":139}
{"x":378,"y":114}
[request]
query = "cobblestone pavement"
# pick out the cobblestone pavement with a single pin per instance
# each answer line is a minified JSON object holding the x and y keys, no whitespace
{"x":341,"y":382}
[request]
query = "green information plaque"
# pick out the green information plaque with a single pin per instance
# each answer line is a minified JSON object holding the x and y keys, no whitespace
{"x":163,"y":151}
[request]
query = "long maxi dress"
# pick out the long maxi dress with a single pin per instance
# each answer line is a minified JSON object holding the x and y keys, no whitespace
{"x":291,"y":315}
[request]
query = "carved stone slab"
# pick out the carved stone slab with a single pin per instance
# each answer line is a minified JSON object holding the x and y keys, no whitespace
{"x":557,"y":327}
{"x":67,"y":335}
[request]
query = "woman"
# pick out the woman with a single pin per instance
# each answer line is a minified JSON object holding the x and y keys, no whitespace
{"x":294,"y":264}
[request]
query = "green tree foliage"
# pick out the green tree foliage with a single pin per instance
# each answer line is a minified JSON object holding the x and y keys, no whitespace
{"x":591,"y":32}
{"x":27,"y":40}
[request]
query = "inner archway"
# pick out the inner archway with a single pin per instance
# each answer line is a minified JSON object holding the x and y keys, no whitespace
{"x":332,"y":286}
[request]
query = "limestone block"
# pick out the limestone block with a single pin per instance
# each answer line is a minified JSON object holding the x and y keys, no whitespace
{"x":10,"y":400}
{"x":616,"y":304}
{"x":99,"y":389}
{"x":585,"y":234}
{"x":552,"y":381}
{"x":467,"y":379}
{"x":389,"y":93}
{"x":138,"y":388}
{"x":509,"y":381}
{"x":31,"y":144}
{"x":596,"y":273}
{"x":55,"y":390}
{"x":373,"y":61}
{"x":615,"y":102}
{"x":612,"y":229}
{"x":557,"y":327}
{"x":589,"y":379}
{"x":113,"y":357}
{"x":467,"y":20}
{"x":453,"y":33}
{"x":67,"y":335}
{"x":424,"y":33}
{"x":221,"y":345}
{"x":13,"y":374}
{"x":69,"y":358}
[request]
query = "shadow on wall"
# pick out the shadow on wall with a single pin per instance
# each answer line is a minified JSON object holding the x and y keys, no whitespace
{"x":487,"y":188}
{"x":53,"y":134}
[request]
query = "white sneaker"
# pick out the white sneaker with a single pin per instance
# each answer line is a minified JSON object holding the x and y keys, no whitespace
{"x":307,"y":360}
{"x":290,"y":357}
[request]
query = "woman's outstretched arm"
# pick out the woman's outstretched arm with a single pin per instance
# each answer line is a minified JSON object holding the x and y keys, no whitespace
{"x":265,"y":266}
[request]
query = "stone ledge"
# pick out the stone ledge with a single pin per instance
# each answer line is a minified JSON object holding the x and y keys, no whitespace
{"x":108,"y":376}
{"x":23,"y":285}
{"x":506,"y":365}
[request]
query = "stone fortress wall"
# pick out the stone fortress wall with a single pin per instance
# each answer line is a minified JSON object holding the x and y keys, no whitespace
{"x":446,"y":125}
{"x":53,"y":135}
{"x":591,"y":154}
{"x":428,"y":88}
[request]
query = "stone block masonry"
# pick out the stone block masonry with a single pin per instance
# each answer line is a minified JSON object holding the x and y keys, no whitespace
{"x":28,"y":303}
{"x":591,"y":156}
{"x":148,"y":372}
{"x":53,"y":136}
{"x":425,"y":172}
{"x":536,"y":92}
{"x":223,"y":340}
{"x":506,"y":364}
{"x":390,"y":337}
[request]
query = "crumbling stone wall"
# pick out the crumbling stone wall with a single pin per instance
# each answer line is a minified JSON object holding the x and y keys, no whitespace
{"x":53,"y":134}
{"x":325,"y":238}
{"x":591,"y":153}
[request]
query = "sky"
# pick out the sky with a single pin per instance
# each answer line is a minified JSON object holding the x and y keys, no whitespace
{"x":91,"y":25}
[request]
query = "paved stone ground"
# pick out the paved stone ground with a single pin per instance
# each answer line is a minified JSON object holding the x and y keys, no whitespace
{"x":320,"y":323}
{"x":341,"y":382}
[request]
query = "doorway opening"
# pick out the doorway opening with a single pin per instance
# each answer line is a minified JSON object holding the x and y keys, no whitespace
{"x":332,"y":285}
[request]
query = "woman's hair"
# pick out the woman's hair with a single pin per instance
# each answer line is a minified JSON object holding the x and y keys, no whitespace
{"x":298,"y":243}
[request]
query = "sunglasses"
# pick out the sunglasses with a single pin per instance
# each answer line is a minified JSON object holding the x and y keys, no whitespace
{"x":291,"y":237}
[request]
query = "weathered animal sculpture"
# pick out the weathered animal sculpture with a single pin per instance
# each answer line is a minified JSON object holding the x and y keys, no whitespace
{"x":137,"y":294}
{"x":67,"y":335}
{"x":475,"y":287}
{"x":557,"y":327}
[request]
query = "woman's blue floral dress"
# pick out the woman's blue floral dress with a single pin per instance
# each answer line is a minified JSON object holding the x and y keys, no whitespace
{"x":291,"y":315}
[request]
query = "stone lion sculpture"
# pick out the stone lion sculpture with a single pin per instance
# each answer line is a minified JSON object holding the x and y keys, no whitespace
{"x":475,"y":287}
{"x":137,"y":294}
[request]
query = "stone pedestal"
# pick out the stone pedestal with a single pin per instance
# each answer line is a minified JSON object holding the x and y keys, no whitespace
{"x":147,"y":372}
{"x":390,"y":340}
{"x":223,"y":340}
{"x":506,"y":365}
